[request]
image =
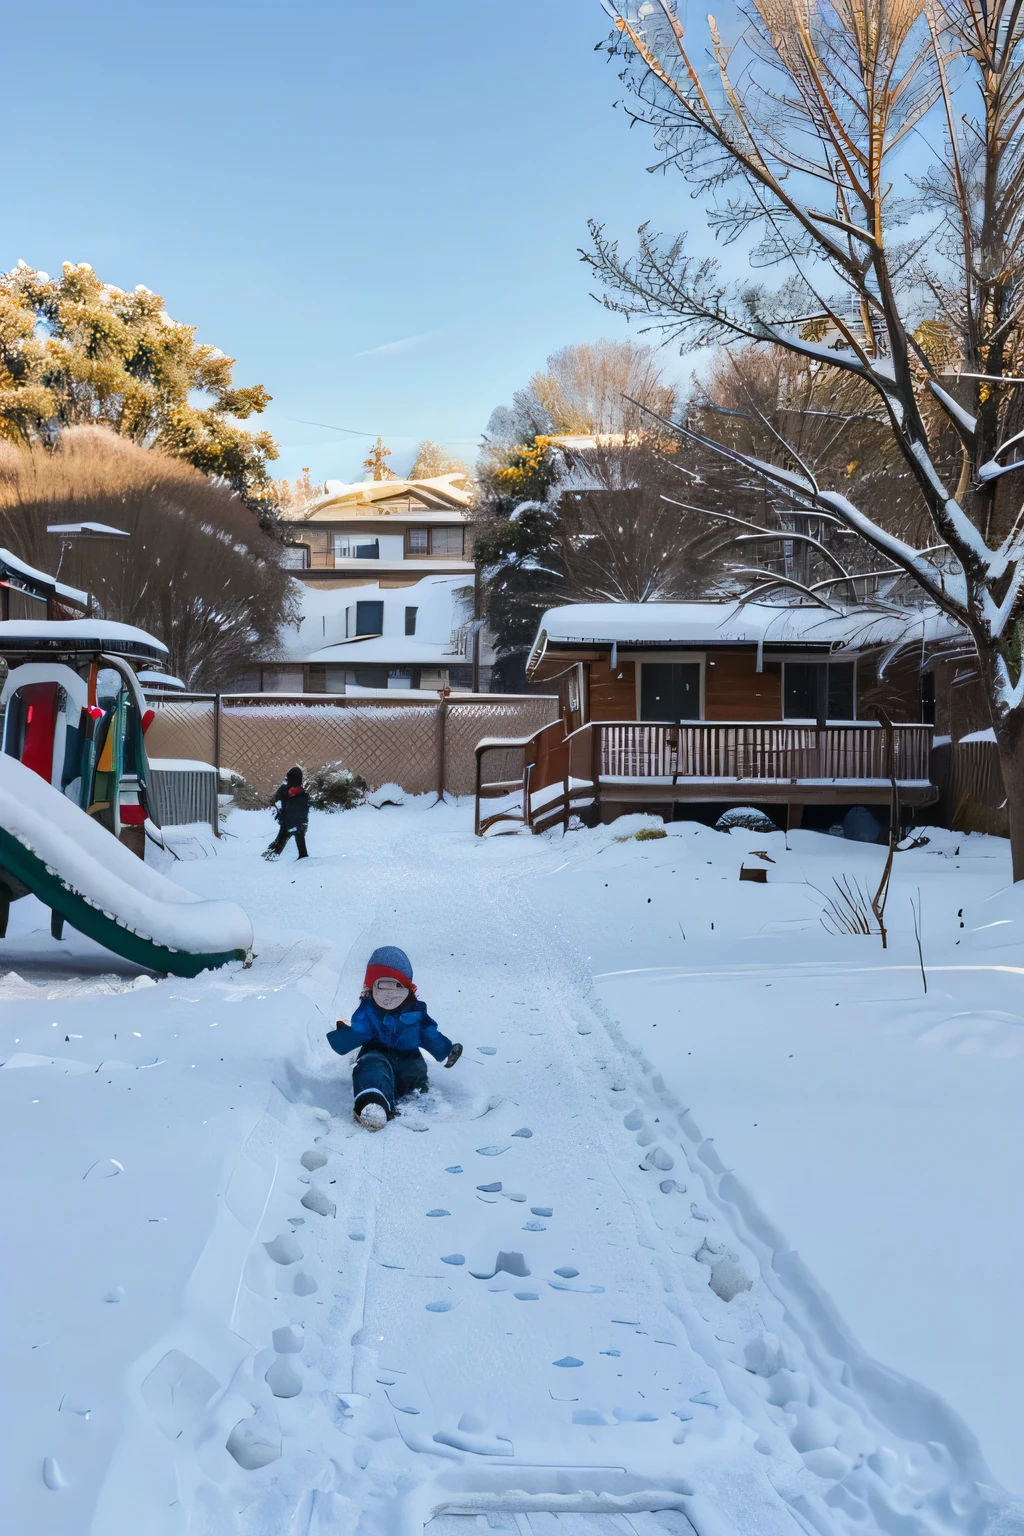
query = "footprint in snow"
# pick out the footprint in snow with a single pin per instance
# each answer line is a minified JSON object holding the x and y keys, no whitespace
{"x":313,"y":1160}
{"x":526,"y":1295}
{"x":567,"y":1272}
{"x":453,"y":1258}
{"x":488,"y":1050}
{"x":453,"y":1169}
{"x":541,"y":1210}
{"x":567,"y":1362}
{"x":283,"y":1249}
{"x":440,"y":1306}
{"x":534,"y":1226}
{"x":439,"y":1212}
{"x":523,"y":1131}
{"x":507,"y":1263}
{"x":490,"y":1189}
{"x":491,"y":1151}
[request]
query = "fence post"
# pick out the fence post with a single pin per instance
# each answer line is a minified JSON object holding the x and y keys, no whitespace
{"x":216,"y":765}
{"x":442,"y":754}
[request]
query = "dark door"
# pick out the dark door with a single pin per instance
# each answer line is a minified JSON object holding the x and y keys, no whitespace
{"x":670,"y":690}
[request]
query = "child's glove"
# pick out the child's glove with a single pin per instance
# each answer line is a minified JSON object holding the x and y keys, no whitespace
{"x":453,"y":1055}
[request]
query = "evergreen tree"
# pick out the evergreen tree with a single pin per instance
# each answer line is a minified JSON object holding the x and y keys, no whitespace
{"x":75,"y":351}
{"x":516,"y":548}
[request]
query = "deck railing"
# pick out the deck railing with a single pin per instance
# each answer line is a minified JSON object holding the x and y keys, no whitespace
{"x":778,"y":751}
{"x":563,"y":774}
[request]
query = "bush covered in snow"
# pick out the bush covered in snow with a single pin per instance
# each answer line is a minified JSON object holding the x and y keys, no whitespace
{"x":335,"y":788}
{"x":244,"y":795}
{"x":746,"y":816}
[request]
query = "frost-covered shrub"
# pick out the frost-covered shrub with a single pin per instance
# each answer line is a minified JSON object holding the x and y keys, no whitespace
{"x":746,"y":816}
{"x":646,"y":834}
{"x":335,"y":788}
{"x":236,"y":785}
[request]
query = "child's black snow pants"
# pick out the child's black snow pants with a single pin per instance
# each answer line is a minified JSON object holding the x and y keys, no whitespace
{"x":392,"y":1074}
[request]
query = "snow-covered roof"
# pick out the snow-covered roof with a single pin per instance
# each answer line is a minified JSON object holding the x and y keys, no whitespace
{"x":10,"y":565}
{"x":78,"y":635}
{"x":398,"y":650}
{"x":341,"y":499}
{"x":159,"y":680}
{"x":734,"y":623}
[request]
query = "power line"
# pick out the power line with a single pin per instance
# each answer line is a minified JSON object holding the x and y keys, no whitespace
{"x":397,"y":437}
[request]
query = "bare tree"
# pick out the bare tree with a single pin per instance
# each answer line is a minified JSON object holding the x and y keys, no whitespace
{"x":195,"y":571}
{"x":431,"y":459}
{"x":619,"y":539}
{"x":590,"y":387}
{"x":795,"y":139}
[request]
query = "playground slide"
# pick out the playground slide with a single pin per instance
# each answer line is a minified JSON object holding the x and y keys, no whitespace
{"x":91,"y":881}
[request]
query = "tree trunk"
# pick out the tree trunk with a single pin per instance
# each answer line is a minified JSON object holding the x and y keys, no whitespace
{"x":1010,"y":740}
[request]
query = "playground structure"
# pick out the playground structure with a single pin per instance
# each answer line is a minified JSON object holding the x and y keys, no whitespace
{"x":75,"y":793}
{"x":75,"y":714}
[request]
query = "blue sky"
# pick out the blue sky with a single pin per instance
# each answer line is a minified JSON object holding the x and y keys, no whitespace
{"x":375,"y":208}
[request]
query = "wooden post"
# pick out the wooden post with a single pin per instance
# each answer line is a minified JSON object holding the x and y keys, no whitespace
{"x":216,"y":765}
{"x":442,"y":759}
{"x":479,"y":777}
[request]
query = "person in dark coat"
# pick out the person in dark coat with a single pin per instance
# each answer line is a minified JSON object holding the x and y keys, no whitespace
{"x":391,"y":1027}
{"x":291,"y":807}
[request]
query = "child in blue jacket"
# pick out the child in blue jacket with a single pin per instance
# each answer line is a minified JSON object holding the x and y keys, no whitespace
{"x":391,"y":1026}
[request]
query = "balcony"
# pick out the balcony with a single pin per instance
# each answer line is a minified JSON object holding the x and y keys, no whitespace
{"x":605,"y":768}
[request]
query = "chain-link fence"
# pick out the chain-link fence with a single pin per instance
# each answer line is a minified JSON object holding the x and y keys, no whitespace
{"x":420,"y":746}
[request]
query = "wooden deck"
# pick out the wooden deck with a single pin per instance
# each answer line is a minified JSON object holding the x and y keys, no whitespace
{"x":605,"y":768}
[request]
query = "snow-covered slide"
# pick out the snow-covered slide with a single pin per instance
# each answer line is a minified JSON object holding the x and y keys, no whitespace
{"x":100,"y":887}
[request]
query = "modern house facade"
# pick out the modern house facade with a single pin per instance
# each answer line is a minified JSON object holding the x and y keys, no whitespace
{"x":368,"y":637}
{"x":394,"y":532}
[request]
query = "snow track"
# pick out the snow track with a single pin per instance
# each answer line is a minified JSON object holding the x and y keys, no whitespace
{"x":536,"y":1301}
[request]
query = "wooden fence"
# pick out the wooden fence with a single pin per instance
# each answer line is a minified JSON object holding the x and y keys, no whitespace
{"x":971,"y":793}
{"x":421,"y":746}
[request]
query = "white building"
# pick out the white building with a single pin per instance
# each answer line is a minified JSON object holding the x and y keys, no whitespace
{"x":365,"y":638}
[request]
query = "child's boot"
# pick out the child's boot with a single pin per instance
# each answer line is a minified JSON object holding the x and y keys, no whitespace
{"x":371,"y":1111}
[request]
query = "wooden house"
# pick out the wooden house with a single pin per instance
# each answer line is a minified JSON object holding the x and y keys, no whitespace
{"x":723,"y":703}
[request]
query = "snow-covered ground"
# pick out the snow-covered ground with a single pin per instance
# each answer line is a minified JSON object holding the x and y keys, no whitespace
{"x":565,"y":1286}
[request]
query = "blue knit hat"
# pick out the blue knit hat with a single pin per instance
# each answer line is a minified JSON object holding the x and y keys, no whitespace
{"x":389,"y":960}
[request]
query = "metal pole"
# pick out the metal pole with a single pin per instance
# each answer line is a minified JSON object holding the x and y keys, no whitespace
{"x":476,"y":629}
{"x":216,"y":765}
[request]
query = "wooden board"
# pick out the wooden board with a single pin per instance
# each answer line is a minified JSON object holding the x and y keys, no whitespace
{"x":735,"y":690}
{"x":612,"y":695}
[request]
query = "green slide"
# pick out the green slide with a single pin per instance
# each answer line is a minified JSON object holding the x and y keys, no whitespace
{"x":89,"y":880}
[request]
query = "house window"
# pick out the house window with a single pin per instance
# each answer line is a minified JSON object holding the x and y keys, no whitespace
{"x":417,"y":541}
{"x":347,"y":546}
{"x":447,"y":541}
{"x":364,"y":619}
{"x":295,"y":557}
{"x":818,"y":690}
{"x":410,"y":621}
